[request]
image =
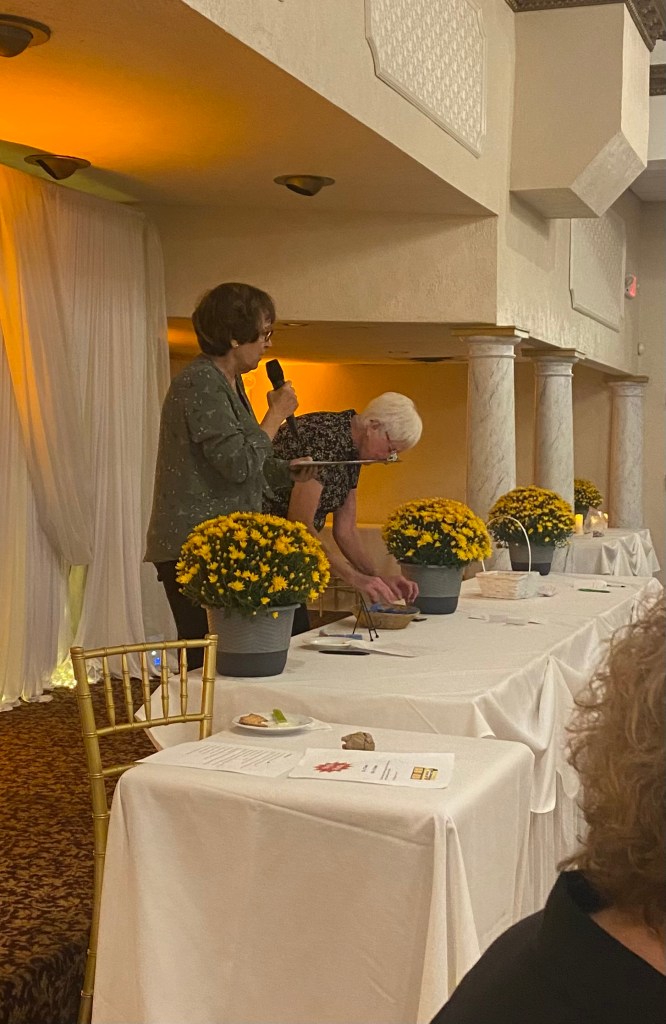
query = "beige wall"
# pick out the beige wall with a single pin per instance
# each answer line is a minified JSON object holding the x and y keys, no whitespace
{"x":383,"y":268}
{"x":314,"y":39}
{"x":533,"y":284}
{"x":400,"y":268}
{"x":651,"y":303}
{"x":581,"y":111}
{"x":334,"y":266}
{"x":592,"y":416}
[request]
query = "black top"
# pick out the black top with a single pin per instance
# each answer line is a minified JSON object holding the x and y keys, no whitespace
{"x":559,"y":967}
{"x":323,"y":435}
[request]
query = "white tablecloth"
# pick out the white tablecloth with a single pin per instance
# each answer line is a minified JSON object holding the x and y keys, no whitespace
{"x":618,"y":553}
{"x":474,"y":678}
{"x":230,"y":899}
{"x":471,"y":678}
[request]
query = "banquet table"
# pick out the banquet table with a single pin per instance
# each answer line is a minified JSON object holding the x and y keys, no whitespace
{"x":471,"y":676}
{"x":620,"y":552}
{"x":234,"y":899}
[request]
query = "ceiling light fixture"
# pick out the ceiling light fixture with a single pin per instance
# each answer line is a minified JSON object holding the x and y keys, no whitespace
{"x":17,"y":34}
{"x":304,"y":184}
{"x":56,"y":166}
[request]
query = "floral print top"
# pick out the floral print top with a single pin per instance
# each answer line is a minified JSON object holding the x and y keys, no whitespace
{"x":323,"y":435}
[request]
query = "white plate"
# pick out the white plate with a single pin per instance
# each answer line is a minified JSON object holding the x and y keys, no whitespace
{"x":293,"y":724}
{"x":331,"y":643}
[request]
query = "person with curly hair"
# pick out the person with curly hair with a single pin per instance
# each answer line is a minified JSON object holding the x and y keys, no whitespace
{"x":596,"y":954}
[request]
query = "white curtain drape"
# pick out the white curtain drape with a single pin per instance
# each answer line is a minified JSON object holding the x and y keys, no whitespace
{"x":83,"y":370}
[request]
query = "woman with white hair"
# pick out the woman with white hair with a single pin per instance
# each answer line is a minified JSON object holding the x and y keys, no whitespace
{"x":387,"y":426}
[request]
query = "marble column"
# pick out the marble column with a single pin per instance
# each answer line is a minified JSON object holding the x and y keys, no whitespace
{"x":554,"y":437}
{"x":491,"y":420}
{"x":626,"y":453}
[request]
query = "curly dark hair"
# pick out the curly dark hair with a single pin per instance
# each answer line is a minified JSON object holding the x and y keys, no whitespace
{"x":617,"y":746}
{"x":231,"y":310}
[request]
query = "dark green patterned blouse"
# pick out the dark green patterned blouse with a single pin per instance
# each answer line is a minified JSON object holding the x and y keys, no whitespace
{"x":213,"y":458}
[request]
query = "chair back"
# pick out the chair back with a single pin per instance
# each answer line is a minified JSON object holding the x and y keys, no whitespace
{"x":120,"y":685}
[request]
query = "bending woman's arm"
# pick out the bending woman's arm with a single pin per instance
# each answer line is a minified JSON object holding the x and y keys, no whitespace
{"x":302,"y":508}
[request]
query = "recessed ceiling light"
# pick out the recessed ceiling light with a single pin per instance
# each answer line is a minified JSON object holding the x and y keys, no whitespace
{"x":56,"y":166}
{"x":430,"y":359}
{"x":304,"y":184}
{"x":17,"y":34}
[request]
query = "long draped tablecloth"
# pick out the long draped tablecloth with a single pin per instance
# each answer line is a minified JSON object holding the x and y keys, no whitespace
{"x":231,"y":899}
{"x":620,"y":552}
{"x":617,"y":553}
{"x":472,"y":678}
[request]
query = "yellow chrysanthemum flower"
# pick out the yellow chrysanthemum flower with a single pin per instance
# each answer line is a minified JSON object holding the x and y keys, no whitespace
{"x":268,"y":560}
{"x":447,"y":532}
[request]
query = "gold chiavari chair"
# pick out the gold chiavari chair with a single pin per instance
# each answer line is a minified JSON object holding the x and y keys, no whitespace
{"x":121,"y":720}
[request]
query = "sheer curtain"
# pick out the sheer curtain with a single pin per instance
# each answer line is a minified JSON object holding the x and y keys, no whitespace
{"x":83,"y":370}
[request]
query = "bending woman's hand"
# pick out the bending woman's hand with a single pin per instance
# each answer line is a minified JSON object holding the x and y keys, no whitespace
{"x":302,"y":470}
{"x":402,"y":587}
{"x":374,"y":588}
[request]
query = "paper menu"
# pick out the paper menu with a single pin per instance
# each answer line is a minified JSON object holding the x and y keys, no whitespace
{"x":419,"y":771}
{"x":268,"y":762}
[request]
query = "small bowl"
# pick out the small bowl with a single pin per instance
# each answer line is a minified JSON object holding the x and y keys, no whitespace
{"x":389,"y":616}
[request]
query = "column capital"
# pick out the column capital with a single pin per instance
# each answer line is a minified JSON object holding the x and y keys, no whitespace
{"x":490,"y":346}
{"x":629,"y":387}
{"x":543,"y":358}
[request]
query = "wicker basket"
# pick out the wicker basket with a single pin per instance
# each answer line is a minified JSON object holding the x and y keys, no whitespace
{"x":508,"y":586}
{"x":385,"y":619}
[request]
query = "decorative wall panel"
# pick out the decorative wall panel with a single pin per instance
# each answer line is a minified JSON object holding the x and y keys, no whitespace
{"x":433,"y":52}
{"x":597,"y":267}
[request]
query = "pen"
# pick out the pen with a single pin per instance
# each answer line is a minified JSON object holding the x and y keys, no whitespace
{"x":362,"y":653}
{"x":592,"y":590}
{"x":344,"y":636}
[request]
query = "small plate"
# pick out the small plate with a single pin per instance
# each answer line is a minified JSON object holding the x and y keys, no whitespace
{"x":294,"y":723}
{"x":331,"y":643}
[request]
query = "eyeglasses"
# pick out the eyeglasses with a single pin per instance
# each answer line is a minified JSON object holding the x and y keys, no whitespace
{"x":265,"y":335}
{"x":392,"y":453}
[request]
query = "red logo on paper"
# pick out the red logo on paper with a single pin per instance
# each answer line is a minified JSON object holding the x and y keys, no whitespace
{"x":333,"y":766}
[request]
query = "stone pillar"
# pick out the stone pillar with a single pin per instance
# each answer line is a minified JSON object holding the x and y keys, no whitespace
{"x":626,"y":453}
{"x":554,"y":438}
{"x":491,"y":420}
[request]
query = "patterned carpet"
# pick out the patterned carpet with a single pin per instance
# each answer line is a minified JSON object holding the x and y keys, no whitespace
{"x":46,"y":851}
{"x":46,"y":868}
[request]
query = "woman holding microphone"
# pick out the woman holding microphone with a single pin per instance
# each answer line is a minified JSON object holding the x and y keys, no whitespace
{"x":213,"y":456}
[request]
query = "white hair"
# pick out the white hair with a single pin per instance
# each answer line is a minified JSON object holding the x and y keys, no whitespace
{"x":397,"y":415}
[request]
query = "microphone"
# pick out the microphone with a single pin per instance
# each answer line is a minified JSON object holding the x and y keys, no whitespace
{"x":276,"y":377}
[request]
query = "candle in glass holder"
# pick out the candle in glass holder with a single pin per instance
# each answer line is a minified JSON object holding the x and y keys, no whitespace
{"x":606,"y":517}
{"x":579,"y":523}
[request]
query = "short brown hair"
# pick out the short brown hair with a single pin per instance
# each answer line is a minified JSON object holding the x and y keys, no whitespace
{"x":617,"y":747}
{"x":229,"y":311}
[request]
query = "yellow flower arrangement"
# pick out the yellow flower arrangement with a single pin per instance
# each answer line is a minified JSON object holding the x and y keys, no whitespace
{"x":436,"y":531}
{"x":586,"y":495}
{"x":547,"y":518}
{"x":247,"y":562}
